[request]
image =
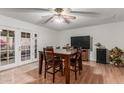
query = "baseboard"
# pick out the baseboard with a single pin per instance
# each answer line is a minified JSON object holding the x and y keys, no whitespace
{"x":14,"y":65}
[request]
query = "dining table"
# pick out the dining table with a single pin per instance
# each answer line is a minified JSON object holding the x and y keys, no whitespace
{"x":66,"y":54}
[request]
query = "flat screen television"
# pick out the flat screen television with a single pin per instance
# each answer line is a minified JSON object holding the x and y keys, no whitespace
{"x":81,"y":42}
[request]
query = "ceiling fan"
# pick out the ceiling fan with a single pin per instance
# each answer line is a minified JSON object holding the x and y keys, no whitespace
{"x":59,"y":15}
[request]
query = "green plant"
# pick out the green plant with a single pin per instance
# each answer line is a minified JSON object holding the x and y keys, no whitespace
{"x":116,"y":55}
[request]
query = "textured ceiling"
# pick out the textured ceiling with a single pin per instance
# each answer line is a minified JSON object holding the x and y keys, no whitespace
{"x":105,"y":15}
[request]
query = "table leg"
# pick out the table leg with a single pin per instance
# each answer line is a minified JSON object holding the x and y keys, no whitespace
{"x":40,"y":62}
{"x":67,"y":69}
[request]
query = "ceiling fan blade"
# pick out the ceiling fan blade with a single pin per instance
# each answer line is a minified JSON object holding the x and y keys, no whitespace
{"x":46,"y":16}
{"x":82,"y":12}
{"x":48,"y":19}
{"x":43,"y":18}
{"x":69,"y":17}
{"x":66,"y":20}
{"x":25,"y":10}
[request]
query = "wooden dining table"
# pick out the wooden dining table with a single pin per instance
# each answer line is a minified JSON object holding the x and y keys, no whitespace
{"x":64,"y":53}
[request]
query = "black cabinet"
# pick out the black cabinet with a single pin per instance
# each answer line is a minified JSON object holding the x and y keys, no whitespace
{"x":102,"y":56}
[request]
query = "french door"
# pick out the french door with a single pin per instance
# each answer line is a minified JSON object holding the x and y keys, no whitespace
{"x":25,"y":46}
{"x":17,"y":48}
{"x":28,"y":47}
{"x":7,"y":47}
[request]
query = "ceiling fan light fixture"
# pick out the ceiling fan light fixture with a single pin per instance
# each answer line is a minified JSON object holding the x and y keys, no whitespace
{"x":59,"y":19}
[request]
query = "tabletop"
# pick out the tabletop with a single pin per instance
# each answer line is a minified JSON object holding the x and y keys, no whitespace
{"x":65,"y":51}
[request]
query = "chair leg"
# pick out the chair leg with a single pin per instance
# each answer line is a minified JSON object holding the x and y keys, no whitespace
{"x":53,"y":74}
{"x":45,"y":71}
{"x":79,"y":68}
{"x":75,"y":73}
{"x":80,"y":65}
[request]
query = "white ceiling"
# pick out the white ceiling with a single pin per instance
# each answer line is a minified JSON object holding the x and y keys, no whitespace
{"x":105,"y":15}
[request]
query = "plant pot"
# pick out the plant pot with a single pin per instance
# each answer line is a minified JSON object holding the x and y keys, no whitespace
{"x":117,"y":64}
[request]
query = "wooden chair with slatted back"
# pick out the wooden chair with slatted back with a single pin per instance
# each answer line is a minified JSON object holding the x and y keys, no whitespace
{"x":52,"y":64}
{"x":76,"y":63}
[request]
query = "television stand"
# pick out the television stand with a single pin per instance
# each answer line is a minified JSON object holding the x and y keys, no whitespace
{"x":85,"y":54}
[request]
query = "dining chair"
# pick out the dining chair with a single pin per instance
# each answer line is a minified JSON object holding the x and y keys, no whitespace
{"x":76,"y":63}
{"x":53,"y":64}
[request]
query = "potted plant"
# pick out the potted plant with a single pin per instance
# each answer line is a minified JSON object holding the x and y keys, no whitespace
{"x":116,"y":56}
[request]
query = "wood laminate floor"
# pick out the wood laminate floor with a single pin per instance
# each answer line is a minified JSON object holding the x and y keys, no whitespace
{"x":92,"y":73}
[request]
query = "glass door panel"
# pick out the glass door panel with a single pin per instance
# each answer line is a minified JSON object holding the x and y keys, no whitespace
{"x":7,"y":50}
{"x":25,"y":46}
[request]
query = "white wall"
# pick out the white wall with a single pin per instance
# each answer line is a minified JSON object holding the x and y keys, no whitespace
{"x":45,"y":36}
{"x":110,"y":35}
